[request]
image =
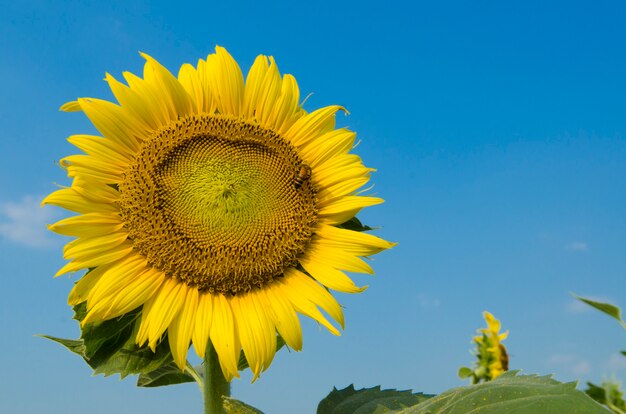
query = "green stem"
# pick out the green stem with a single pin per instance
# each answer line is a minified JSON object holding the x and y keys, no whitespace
{"x":215,"y":385}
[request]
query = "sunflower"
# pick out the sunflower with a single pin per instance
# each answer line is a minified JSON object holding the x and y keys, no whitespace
{"x":216,"y":206}
{"x":493,"y":358}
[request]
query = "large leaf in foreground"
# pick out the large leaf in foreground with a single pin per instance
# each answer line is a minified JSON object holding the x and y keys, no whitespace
{"x":512,"y":394}
{"x":367,"y":401}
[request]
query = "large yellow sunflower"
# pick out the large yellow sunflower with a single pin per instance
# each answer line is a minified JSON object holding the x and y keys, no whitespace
{"x":215,"y":205}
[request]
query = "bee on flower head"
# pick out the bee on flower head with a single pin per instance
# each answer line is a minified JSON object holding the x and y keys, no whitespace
{"x":303,"y":174}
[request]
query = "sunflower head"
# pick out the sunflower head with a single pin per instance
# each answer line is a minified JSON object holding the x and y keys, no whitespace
{"x":215,"y":205}
{"x":491,"y":354}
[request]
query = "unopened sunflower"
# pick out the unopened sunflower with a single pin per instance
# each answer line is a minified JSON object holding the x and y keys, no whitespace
{"x":216,"y":206}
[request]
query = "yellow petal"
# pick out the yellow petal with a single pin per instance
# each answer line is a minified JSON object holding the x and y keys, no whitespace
{"x":114,"y":123}
{"x":335,"y":257}
{"x":172,"y":92}
{"x":72,"y":106}
{"x":355,"y":241}
{"x":102,"y":149}
{"x":131,"y":296}
{"x":113,"y":254}
{"x":73,"y":200}
{"x":301,"y":302}
{"x":181,"y":329}
{"x":157,"y":313}
{"x":82,"y":288}
{"x":115,"y":278}
{"x":256,"y":332}
{"x":226,"y":82}
{"x":84,"y":248}
{"x":313,"y":125}
{"x":330,"y":276}
{"x":342,"y":209}
{"x":204,"y":317}
{"x":254,"y":81}
{"x":88,"y":225}
{"x":287,"y":111}
{"x":149,"y":93}
{"x":327,"y":146}
{"x":90,"y":166}
{"x":133,"y":102}
{"x":317,"y":294}
{"x":283,"y":316}
{"x":189,"y":79}
{"x":224,"y":337}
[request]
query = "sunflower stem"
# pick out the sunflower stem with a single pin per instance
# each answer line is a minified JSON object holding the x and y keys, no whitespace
{"x":215,"y":385}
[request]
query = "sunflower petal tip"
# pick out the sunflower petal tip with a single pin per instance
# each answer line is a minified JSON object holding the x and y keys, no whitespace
{"x":71,"y":106}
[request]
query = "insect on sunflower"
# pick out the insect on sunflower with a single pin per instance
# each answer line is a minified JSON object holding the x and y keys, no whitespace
{"x":216,"y":206}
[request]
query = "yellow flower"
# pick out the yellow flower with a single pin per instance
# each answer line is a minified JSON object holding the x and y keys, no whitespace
{"x":491,"y":352}
{"x":216,"y":205}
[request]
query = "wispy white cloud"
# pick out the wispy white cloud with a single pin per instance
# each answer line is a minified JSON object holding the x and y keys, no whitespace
{"x":24,"y":222}
{"x":426,"y":301}
{"x":572,"y":363}
{"x":577,"y":246}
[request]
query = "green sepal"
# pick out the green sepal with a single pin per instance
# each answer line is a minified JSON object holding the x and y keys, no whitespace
{"x":168,"y":374}
{"x":512,"y":393}
{"x":611,"y":310}
{"x":368,"y":401}
{"x":109,"y":347}
{"x":232,"y":406}
{"x":355,"y":224}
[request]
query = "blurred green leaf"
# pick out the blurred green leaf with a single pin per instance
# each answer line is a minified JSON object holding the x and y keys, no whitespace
{"x":367,"y":401}
{"x":609,"y":394}
{"x":611,"y":310}
{"x":168,"y":374}
{"x":232,"y":406}
{"x":465,"y":372}
{"x":512,"y":394}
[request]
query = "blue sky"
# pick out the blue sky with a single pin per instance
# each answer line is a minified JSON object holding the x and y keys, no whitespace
{"x":498,"y":132}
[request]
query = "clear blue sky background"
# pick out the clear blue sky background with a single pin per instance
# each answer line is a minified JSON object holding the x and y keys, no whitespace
{"x":498,"y":132}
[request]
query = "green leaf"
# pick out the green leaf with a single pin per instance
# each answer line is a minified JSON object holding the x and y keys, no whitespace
{"x":624,"y":353}
{"x":74,"y":345}
{"x":109,"y":347}
{"x":611,"y":310}
{"x":168,"y":374}
{"x":243,"y":362}
{"x":367,"y":401}
{"x":512,"y":394}
{"x":596,"y":392}
{"x":232,"y":406}
{"x":355,"y":224}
